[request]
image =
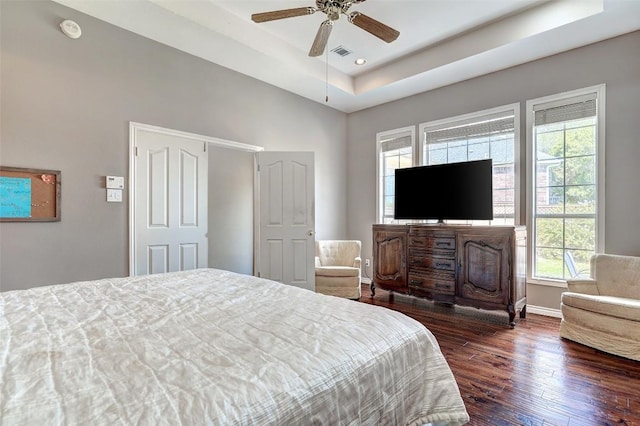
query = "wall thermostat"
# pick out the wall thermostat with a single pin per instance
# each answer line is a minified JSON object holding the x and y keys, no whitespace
{"x":115,"y":182}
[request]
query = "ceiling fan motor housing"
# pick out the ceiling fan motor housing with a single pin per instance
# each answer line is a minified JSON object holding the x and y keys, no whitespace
{"x":333,"y":8}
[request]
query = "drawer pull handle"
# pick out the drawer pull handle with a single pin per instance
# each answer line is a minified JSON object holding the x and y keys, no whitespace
{"x":442,"y":264}
{"x":442,"y":286}
{"x":416,"y":281}
{"x":443,"y":244}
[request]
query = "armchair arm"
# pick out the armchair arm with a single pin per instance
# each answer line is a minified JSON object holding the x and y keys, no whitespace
{"x":357,"y":262}
{"x":318,"y":264}
{"x":583,"y":285}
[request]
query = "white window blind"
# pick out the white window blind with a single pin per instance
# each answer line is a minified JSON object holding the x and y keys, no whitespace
{"x":473,"y":130}
{"x":397,"y":143}
{"x":576,"y":109}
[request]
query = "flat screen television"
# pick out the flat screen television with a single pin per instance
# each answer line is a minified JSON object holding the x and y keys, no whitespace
{"x":460,"y":191}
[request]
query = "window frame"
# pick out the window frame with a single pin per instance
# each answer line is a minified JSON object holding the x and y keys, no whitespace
{"x":563,"y":99}
{"x":514,"y":109}
{"x":380,"y":137}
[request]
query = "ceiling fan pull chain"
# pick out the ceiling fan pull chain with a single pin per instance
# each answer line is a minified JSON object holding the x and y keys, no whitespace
{"x":326,"y":75}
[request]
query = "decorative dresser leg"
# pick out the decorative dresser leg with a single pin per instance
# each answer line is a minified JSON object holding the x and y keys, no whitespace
{"x":512,"y":315}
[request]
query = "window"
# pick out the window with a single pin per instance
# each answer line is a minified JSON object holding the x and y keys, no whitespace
{"x":566,"y":141}
{"x":395,"y":150}
{"x":482,"y":135}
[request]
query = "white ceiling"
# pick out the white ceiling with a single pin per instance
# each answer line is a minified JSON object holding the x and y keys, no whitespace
{"x":441,"y":41}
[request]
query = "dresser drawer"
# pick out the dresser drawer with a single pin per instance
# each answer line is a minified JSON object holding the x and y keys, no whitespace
{"x":434,"y":282}
{"x":432,"y":242}
{"x":443,"y":263}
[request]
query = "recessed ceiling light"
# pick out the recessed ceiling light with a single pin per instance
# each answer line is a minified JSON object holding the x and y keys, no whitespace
{"x":360,"y":61}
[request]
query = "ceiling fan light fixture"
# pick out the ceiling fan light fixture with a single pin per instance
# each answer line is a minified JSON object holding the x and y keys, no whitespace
{"x":333,"y":13}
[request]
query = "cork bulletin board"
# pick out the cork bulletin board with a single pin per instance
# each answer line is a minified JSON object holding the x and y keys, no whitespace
{"x":29,"y":195}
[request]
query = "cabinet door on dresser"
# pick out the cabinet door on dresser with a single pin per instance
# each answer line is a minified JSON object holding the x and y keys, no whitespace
{"x":484,"y":267}
{"x":389,"y":259}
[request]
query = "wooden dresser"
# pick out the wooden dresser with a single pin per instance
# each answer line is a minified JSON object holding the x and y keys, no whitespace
{"x":480,"y":266}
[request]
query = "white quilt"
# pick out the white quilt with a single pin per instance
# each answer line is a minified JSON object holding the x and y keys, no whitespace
{"x":215,"y":347}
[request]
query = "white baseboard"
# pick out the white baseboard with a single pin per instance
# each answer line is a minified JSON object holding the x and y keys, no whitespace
{"x":541,"y":310}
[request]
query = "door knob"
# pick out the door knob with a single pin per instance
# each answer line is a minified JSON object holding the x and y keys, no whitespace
{"x":310,"y":232}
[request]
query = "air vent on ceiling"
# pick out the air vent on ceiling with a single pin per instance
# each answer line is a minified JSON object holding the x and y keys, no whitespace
{"x":342,"y":51}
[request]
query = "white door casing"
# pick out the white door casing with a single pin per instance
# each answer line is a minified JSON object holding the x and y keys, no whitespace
{"x":285,"y":208}
{"x":170,"y":202}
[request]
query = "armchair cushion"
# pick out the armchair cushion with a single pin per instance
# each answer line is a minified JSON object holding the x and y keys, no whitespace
{"x":337,"y":271}
{"x":619,"y":307}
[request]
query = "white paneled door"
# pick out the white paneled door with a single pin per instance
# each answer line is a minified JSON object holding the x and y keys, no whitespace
{"x":286,"y":232}
{"x":170,"y":203}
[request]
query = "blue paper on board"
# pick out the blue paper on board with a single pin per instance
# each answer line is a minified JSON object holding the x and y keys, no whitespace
{"x":15,"y":197}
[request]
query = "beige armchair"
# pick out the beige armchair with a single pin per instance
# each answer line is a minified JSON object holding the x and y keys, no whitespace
{"x":338,"y":268}
{"x":603,"y":311}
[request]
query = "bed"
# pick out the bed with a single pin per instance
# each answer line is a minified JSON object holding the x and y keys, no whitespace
{"x":214,"y":347}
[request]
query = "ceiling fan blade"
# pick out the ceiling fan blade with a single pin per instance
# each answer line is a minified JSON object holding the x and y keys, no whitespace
{"x":282,"y":14}
{"x":370,"y":25}
{"x":322,"y":37}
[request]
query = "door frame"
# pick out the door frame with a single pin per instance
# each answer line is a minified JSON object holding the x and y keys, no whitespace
{"x":134,"y":128}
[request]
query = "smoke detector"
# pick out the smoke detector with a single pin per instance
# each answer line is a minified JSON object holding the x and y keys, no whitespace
{"x":70,"y":29}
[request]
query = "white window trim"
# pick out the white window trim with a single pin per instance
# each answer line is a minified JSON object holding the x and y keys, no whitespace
{"x":470,"y":118}
{"x":599,"y":90}
{"x":408,"y":131}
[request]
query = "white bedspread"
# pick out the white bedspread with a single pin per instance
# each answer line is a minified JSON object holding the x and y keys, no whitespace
{"x":214,"y":347}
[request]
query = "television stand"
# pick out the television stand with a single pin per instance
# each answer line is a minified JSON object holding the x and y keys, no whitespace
{"x":479,"y":266}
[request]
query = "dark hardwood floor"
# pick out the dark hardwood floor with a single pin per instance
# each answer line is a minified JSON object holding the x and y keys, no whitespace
{"x":527,"y":375}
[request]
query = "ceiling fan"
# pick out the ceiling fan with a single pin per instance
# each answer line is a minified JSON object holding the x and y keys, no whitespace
{"x":333,"y":9}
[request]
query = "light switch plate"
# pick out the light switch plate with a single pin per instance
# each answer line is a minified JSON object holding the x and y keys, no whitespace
{"x":114,"y":195}
{"x":115,"y":182}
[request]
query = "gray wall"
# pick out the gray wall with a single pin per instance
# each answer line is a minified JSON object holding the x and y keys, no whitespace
{"x":231,"y":209}
{"x":66,"y":105}
{"x":615,"y":62}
